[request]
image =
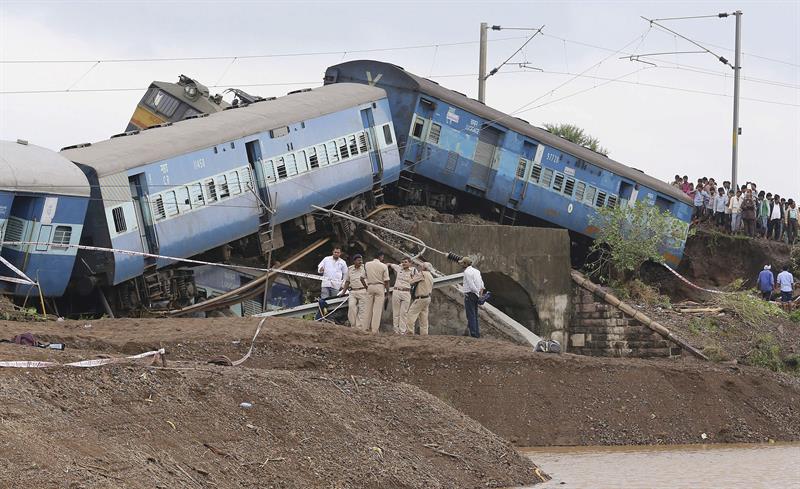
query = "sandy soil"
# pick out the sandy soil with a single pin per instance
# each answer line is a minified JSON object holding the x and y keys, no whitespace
{"x":529,"y":399}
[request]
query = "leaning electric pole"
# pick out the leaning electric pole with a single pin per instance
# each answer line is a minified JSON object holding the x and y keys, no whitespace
{"x":482,"y":64}
{"x":737,"y":68}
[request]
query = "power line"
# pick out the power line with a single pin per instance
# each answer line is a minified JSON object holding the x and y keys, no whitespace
{"x":135,"y":89}
{"x":720,"y":58}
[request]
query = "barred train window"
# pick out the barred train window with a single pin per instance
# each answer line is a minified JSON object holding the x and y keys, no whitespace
{"x":521,"y":168}
{"x":601,"y":199}
{"x":211,"y":189}
{"x":246,"y":181}
{"x":434,"y":133}
{"x":170,"y":203}
{"x":387,"y":134}
{"x":233,"y":183}
{"x":590,"y":194}
{"x":558,"y":182}
{"x":196,"y":193}
{"x":547,"y":177}
{"x":536,"y":173}
{"x":119,"y":219}
{"x":158,"y":208}
{"x":322,"y":155}
{"x":333,"y":154}
{"x":291,"y":165}
{"x":281,"y":168}
{"x":302,"y":162}
{"x":269,"y":170}
{"x":353,"y":145}
{"x":222,"y":186}
{"x":419,"y":124}
{"x":343,"y":148}
{"x":612,"y":201}
{"x":362,"y":142}
{"x":62,"y":236}
{"x":184,"y":202}
{"x":569,"y":186}
{"x":580,"y":189}
{"x":313,"y":162}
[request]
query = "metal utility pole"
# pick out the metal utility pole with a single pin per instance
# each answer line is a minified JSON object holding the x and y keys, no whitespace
{"x":737,"y":68}
{"x":482,"y":64}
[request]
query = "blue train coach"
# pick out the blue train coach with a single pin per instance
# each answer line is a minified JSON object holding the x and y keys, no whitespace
{"x":186,"y":188}
{"x":43,"y":199}
{"x":447,"y":138}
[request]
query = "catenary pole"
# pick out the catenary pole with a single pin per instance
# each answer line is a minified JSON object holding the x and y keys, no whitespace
{"x":482,"y":64}
{"x":737,"y":68}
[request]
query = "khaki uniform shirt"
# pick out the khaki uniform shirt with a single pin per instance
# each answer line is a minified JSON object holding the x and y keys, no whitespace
{"x":377,"y":272}
{"x":354,"y":275}
{"x":425,"y":284}
{"x":404,"y":276}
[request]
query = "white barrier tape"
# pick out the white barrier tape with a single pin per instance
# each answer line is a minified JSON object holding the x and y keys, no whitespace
{"x":252,"y":344}
{"x":81,"y":364}
{"x":172,"y":258}
{"x":686,"y":281}
{"x":16,"y":270}
{"x":16,"y":281}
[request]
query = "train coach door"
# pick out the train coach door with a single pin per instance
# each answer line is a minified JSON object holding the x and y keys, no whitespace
{"x":254,"y":160}
{"x":484,"y":158}
{"x":144,"y":217}
{"x":368,"y":121}
{"x":520,"y":182}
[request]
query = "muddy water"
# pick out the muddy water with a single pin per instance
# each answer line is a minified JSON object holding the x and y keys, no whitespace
{"x":676,"y":466}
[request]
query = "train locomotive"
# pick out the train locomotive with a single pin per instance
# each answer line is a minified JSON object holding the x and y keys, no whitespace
{"x":450,"y":141}
{"x":188,"y":187}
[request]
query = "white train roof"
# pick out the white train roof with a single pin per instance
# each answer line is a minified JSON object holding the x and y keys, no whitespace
{"x":29,"y":168}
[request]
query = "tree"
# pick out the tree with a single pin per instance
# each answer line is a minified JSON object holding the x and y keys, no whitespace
{"x":575,"y":134}
{"x":630,"y":235}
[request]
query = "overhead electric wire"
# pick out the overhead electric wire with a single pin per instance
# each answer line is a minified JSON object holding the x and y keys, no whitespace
{"x":720,"y":58}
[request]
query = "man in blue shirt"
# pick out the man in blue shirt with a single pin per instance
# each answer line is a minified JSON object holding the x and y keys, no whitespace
{"x":766,"y":282}
{"x":786,"y":284}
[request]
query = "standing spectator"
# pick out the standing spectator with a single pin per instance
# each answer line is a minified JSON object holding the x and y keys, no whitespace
{"x":735,"y":203}
{"x":685,"y":185}
{"x":720,"y":203}
{"x":357,"y":301}
{"x":728,"y":219}
{"x":401,"y":294}
{"x":699,"y":199}
{"x":333,"y":270}
{"x":762,"y":214}
{"x":711,"y":190}
{"x":775,"y":218}
{"x":786,"y":284}
{"x":791,"y":221}
{"x":473,"y":290}
{"x":727,"y":186}
{"x":422,"y":300}
{"x":677,"y":182}
{"x":766,"y":282}
{"x":749,"y":214}
{"x":377,"y":290}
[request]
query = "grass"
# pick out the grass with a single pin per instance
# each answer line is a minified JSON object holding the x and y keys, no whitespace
{"x":703,"y":324}
{"x":752,"y":310}
{"x":637,"y":290}
{"x":795,"y":316}
{"x":766,"y":353}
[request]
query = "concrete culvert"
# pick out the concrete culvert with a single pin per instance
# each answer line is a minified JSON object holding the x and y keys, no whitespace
{"x":513,"y":299}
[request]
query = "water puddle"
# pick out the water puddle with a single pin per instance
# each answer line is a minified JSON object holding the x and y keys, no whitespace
{"x":672,"y":466}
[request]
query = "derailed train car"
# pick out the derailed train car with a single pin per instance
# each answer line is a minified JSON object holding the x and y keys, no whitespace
{"x":453,"y":141}
{"x":193,"y":186}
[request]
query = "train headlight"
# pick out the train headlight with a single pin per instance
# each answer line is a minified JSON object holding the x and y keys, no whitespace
{"x":191,"y":91}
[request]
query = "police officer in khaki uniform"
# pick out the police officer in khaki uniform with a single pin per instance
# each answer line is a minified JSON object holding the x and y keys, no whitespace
{"x":422,"y":299}
{"x":401,"y":295}
{"x":377,"y":288}
{"x":357,"y":301}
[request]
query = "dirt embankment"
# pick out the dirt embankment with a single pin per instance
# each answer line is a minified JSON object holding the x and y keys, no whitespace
{"x":530,"y":399}
{"x":134,"y":426}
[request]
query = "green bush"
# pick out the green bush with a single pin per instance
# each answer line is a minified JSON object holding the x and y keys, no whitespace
{"x":751,"y":309}
{"x":766,"y":353}
{"x":703,"y":324}
{"x":795,"y":316}
{"x":716,"y":353}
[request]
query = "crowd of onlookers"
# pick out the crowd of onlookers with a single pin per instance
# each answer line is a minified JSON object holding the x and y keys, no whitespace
{"x":742,"y":209}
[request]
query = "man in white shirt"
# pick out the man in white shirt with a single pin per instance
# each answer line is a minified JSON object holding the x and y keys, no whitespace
{"x":735,"y":204}
{"x":333,"y":270}
{"x":473,"y":289}
{"x":786,"y":284}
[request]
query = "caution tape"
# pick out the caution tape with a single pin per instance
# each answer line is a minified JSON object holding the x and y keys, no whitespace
{"x":83,"y":363}
{"x":686,"y":281}
{"x":252,"y":344}
{"x":172,"y":258}
{"x":25,"y":280}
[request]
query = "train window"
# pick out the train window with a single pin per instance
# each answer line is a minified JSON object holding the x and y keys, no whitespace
{"x":601,"y":199}
{"x":322,"y":155}
{"x":211,"y":190}
{"x":569,"y":186}
{"x":362,"y":142}
{"x":313,"y":161}
{"x":588,"y":197}
{"x":120,"y":226}
{"x":62,"y":236}
{"x":612,"y":201}
{"x":170,"y":203}
{"x":196,"y":192}
{"x":558,"y":182}
{"x":521,"y":168}
{"x":419,"y":124}
{"x":222,"y":186}
{"x":302,"y":162}
{"x":536,"y":173}
{"x":158,"y":208}
{"x":580,"y":190}
{"x":353,"y":144}
{"x":343,"y":148}
{"x":291,"y":165}
{"x":246,"y":180}
{"x":163,"y":102}
{"x":233,"y":183}
{"x":269,"y":170}
{"x":663,"y":204}
{"x":434,"y":133}
{"x":184,"y":203}
{"x":333,"y":154}
{"x":387,"y":134}
{"x":281,"y":168}
{"x":547,"y":177}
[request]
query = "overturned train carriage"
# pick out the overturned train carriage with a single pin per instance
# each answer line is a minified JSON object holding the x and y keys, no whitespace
{"x":200,"y":184}
{"x":43,"y":200}
{"x":453,"y":141}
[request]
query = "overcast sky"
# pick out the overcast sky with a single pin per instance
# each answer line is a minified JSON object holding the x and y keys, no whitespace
{"x":684,"y":128}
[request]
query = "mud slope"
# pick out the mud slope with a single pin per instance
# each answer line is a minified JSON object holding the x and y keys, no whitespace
{"x":139,"y":427}
{"x":530,"y":399}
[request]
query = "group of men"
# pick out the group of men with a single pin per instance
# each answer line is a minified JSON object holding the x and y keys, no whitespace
{"x":368,"y":286}
{"x":785,"y":283}
{"x":742,"y":208}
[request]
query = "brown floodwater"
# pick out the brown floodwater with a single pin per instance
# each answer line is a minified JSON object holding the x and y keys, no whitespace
{"x":773,"y":466}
